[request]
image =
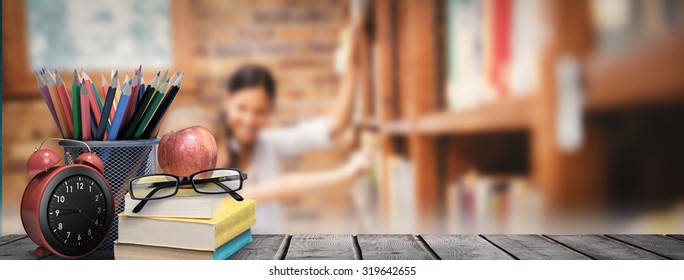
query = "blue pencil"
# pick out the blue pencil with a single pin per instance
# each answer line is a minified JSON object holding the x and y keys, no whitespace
{"x":121,"y":112}
{"x":93,"y":126}
{"x":106,"y":109}
{"x":141,"y":92}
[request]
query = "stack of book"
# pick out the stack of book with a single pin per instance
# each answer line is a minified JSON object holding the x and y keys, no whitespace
{"x":185,"y":226}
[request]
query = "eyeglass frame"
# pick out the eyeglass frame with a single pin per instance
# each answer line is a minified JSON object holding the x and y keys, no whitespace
{"x":185,"y":180}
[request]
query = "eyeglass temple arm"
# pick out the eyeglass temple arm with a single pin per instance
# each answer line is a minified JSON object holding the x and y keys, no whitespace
{"x":232,"y":193}
{"x":142,"y":203}
{"x":220,"y":179}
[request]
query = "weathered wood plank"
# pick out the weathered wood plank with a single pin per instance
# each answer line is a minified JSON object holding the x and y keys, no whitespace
{"x":533,"y":247}
{"x":463,"y":247}
{"x":603,"y":248}
{"x":677,"y":236}
{"x":391,"y":247}
{"x":262,"y":247}
{"x":321,"y":247}
{"x":659,"y":244}
{"x":11,"y":238}
{"x":22,"y":249}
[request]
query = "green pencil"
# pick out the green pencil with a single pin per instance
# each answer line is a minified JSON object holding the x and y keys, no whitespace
{"x":76,"y":105}
{"x":156,"y":99}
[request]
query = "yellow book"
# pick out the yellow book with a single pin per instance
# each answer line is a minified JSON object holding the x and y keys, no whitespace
{"x":185,"y":204}
{"x":230,"y":219}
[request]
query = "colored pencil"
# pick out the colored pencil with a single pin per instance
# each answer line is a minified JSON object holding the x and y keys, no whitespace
{"x":106,"y":109}
{"x":153,"y":127}
{"x":141,"y":89}
{"x":116,"y":100}
{"x":104,"y":85}
{"x":85,"y":112}
{"x":42,"y":86}
{"x":162,"y":78}
{"x":59,"y":105}
{"x":119,"y":115}
{"x":76,"y":105}
{"x":135,"y":90}
{"x":115,"y":105}
{"x":56,"y":76}
{"x":154,"y":104}
{"x":94,"y":101}
{"x":118,"y":91}
{"x":139,"y":110}
{"x":66,"y":103}
{"x":131,"y":109}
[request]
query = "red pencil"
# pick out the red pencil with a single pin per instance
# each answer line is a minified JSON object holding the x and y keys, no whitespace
{"x":134,"y":96}
{"x":94,"y":108}
{"x":66,"y":106}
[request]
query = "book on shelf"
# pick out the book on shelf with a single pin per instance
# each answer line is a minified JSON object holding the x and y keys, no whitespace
{"x":185,"y":204}
{"x":130,"y":251}
{"x":230,"y":219}
{"x":492,"y":50}
{"x":491,"y":204}
{"x":365,"y":194}
{"x":402,"y":194}
{"x":619,"y":24}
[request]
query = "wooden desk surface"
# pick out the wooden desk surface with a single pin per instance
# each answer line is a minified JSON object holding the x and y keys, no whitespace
{"x":425,"y":247}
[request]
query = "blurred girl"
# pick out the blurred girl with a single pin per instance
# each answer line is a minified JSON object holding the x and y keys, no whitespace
{"x":248,"y":143}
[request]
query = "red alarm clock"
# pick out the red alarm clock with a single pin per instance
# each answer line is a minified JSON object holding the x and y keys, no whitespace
{"x":67,"y":209}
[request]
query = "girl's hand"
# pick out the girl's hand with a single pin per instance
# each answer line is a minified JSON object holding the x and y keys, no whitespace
{"x":358,"y":164}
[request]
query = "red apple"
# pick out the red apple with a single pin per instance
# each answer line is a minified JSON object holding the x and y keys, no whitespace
{"x":187,"y":151}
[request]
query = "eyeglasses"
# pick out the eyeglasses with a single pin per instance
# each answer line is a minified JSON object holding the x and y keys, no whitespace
{"x":210,"y":181}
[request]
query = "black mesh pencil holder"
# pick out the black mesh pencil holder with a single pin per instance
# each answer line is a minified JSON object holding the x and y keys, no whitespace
{"x":123,"y":161}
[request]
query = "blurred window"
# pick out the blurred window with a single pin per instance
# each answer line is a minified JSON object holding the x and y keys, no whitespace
{"x":100,"y":35}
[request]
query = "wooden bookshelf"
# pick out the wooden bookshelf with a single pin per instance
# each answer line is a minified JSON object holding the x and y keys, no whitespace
{"x":517,"y":133}
{"x":648,"y":74}
{"x":509,"y":114}
{"x":395,"y":128}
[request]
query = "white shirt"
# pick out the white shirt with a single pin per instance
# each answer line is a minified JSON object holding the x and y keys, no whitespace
{"x":272,"y":146}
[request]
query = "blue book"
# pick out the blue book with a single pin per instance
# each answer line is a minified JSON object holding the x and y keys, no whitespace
{"x":128,"y":251}
{"x":234,"y":245}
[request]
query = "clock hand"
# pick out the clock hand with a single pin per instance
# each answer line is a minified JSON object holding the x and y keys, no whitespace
{"x":64,"y":212}
{"x":84,"y":215}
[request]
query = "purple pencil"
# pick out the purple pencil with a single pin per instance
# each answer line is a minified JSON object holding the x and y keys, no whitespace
{"x":42,"y":86}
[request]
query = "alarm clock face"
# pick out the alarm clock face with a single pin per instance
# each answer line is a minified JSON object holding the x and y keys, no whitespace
{"x":76,"y":211}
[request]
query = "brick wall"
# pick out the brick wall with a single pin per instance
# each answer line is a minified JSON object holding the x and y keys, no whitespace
{"x":295,"y":38}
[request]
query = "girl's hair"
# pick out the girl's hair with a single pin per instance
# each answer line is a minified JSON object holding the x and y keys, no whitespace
{"x":249,"y":76}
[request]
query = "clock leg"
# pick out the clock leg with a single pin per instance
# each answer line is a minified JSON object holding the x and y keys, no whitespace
{"x":41,"y":252}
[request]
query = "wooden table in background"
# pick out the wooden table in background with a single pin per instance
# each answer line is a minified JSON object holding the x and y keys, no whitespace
{"x":425,"y":247}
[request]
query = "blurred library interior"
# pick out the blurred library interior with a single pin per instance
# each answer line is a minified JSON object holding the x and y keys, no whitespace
{"x":493,"y":116}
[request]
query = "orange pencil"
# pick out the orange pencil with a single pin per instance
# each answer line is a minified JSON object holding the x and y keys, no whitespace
{"x":66,"y":105}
